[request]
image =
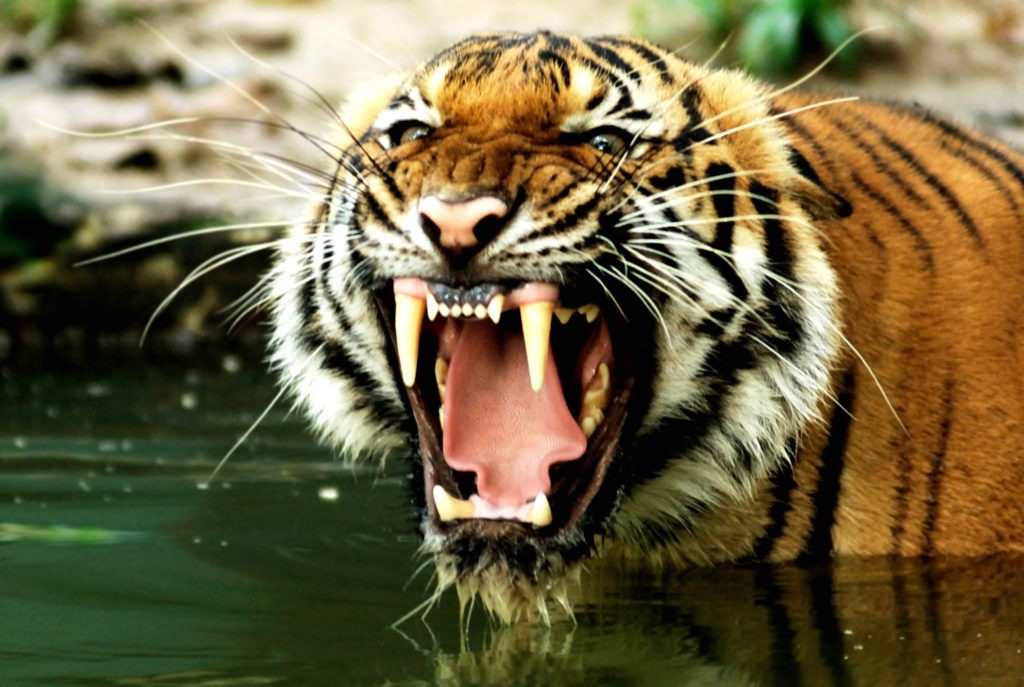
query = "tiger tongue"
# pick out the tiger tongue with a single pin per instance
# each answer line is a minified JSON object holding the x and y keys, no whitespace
{"x":496,"y":426}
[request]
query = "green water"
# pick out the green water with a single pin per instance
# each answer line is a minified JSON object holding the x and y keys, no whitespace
{"x":119,"y":567}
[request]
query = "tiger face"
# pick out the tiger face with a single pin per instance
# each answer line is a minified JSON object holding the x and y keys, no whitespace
{"x":580,"y":282}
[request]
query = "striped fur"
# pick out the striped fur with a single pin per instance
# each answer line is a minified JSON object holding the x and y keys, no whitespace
{"x":815,"y":302}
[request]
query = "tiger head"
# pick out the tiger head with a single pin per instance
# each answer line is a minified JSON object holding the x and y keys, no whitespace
{"x":579,"y":282}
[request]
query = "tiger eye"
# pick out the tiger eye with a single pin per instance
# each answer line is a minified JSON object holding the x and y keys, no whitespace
{"x":405,"y":132}
{"x":608,"y":142}
{"x":414,"y":132}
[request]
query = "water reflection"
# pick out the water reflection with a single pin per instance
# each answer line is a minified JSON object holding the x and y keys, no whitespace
{"x":292,"y":570}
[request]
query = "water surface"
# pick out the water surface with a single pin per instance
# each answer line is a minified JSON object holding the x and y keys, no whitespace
{"x":120,"y":566}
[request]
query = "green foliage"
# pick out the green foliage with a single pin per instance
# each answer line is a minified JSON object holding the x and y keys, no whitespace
{"x":773,"y":37}
{"x":28,"y":228}
{"x":44,"y":18}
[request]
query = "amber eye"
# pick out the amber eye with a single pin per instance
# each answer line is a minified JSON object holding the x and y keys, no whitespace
{"x":407,"y":131}
{"x":609,"y":141}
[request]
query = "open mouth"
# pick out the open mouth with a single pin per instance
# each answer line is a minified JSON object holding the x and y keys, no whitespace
{"x":519,"y":400}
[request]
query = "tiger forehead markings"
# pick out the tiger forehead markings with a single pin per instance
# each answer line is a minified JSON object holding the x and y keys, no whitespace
{"x":622,"y":307}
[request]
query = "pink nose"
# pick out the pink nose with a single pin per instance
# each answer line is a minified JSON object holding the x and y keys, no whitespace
{"x":458,"y":222}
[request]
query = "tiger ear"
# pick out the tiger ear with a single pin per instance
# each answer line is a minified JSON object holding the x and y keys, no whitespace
{"x":819,"y":202}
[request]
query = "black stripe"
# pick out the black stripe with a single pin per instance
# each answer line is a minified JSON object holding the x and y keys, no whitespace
{"x":826,"y":622}
{"x":825,"y":498}
{"x":785,"y":663}
{"x":688,"y":426}
{"x":904,"y":475}
{"x":963,"y":155}
{"x":611,"y":57}
{"x":724,"y":201}
{"x":901,"y":602}
{"x":640,"y":115}
{"x":573,"y":219}
{"x":673,"y":177}
{"x":936,"y":629}
{"x":915,"y":163}
{"x":625,"y":102}
{"x":997,"y":155}
{"x":605,"y":73}
{"x":783,"y":307}
{"x":694,"y":133}
{"x":879,"y":163}
{"x":824,"y":157}
{"x":559,"y":63}
{"x":338,"y":360}
{"x":920,"y":242}
{"x":783,"y":485}
{"x":657,"y":62}
{"x":936,"y":474}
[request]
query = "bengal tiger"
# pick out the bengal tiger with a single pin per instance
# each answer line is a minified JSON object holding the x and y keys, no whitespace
{"x":620,"y":308}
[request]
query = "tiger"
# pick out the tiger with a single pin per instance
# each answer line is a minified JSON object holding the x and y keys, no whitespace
{"x":617,"y":308}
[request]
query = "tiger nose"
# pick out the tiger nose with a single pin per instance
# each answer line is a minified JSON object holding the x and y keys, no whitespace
{"x":464,"y":225}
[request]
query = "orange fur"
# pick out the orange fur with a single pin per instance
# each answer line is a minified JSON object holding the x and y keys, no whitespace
{"x":938,"y":319}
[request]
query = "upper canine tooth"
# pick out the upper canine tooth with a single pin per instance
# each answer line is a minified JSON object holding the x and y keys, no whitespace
{"x":450,"y":508}
{"x":537,"y":335}
{"x":408,"y":322}
{"x":495,"y":306}
{"x":540,"y":514}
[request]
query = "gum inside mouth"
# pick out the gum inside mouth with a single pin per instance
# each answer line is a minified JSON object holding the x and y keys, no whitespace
{"x":521,"y":384}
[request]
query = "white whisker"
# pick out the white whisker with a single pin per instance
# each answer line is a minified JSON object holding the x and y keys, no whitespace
{"x":242,"y":439}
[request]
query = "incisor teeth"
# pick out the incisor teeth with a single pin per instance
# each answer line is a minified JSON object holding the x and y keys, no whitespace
{"x":495,"y":307}
{"x":480,"y":312}
{"x":408,"y":322}
{"x":564,"y":314}
{"x":441,"y":376}
{"x":450,"y":508}
{"x":540,"y":514}
{"x":537,"y":335}
{"x":431,"y":306}
{"x":444,"y":310}
{"x":595,"y":400}
{"x":590,"y":311}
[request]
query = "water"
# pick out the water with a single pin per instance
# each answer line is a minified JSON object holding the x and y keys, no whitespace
{"x":118,"y":568}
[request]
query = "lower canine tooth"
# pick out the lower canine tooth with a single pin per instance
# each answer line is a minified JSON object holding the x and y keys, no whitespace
{"x":450,"y":508}
{"x":408,"y":322}
{"x":537,"y":335}
{"x":540,"y":514}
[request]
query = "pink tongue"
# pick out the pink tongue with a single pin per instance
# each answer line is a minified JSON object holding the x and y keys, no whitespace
{"x":496,"y":426}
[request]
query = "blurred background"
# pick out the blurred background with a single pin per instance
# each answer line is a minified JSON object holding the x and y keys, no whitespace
{"x":71,"y":69}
